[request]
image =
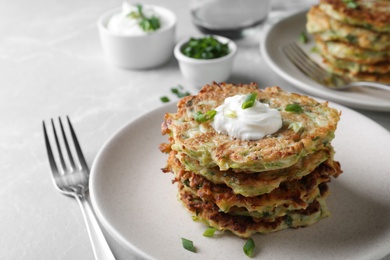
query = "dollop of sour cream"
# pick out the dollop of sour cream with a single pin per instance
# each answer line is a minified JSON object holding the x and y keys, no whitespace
{"x":124,"y":24}
{"x":247,"y":124}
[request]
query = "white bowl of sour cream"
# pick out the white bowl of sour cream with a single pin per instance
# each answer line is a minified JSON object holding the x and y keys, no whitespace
{"x":126,"y":44}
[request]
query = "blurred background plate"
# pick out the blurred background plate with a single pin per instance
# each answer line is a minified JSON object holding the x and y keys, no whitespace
{"x":287,"y":30}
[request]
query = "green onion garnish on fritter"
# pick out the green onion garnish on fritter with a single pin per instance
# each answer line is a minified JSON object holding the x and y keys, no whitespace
{"x":200,"y":117}
{"x":294,"y":108}
{"x":351,"y":4}
{"x":249,"y":101}
{"x":209,"y":232}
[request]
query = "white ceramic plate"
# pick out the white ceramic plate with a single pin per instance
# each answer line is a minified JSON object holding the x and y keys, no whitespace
{"x":287,"y":30}
{"x":137,"y":203}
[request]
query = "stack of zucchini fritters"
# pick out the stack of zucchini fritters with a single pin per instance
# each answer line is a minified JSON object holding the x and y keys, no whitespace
{"x":353,"y":37}
{"x":257,"y":186}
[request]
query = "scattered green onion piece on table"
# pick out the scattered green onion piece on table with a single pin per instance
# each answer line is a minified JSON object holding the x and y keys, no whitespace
{"x":179,"y":91}
{"x":200,"y":117}
{"x":188,"y":244}
{"x":164,"y":99}
{"x":295,"y":108}
{"x":209,"y":232}
{"x":303,"y":38}
{"x":249,"y":101}
{"x":249,"y":247}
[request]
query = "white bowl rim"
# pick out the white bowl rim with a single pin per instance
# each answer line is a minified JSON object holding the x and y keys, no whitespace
{"x":181,"y":57}
{"x":111,"y":12}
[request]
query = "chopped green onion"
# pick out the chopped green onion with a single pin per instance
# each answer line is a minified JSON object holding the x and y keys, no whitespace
{"x":295,"y":108}
{"x":188,"y":244}
{"x":207,"y":47}
{"x":303,"y":38}
{"x":195,"y":218}
{"x":249,"y":247}
{"x":164,"y":99}
{"x":145,"y":23}
{"x":200,"y":117}
{"x":231,"y":113}
{"x":179,"y":91}
{"x":249,"y":100}
{"x":289,"y":220}
{"x":351,"y":38}
{"x":351,"y":4}
{"x":314,"y":49}
{"x":295,"y":126}
{"x":209,"y":232}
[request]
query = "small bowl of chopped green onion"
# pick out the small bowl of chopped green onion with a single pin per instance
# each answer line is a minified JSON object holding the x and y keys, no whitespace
{"x":205,"y":59}
{"x":138,"y":36}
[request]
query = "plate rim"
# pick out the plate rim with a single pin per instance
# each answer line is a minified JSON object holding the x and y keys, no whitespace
{"x":265,"y":53}
{"x":114,"y":234}
{"x":112,"y":231}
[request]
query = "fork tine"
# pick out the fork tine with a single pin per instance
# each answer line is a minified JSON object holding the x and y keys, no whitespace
{"x":309,"y":61}
{"x":58,"y":147}
{"x":67,"y":144}
{"x":297,"y":62}
{"x":303,"y":62}
{"x":77,"y":146}
{"x":52,"y":162}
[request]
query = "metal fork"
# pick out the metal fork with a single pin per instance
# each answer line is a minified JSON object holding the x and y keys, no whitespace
{"x":310,"y":68}
{"x":72,"y":180}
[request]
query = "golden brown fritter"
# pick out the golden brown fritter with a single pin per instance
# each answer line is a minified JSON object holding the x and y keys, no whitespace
{"x":259,"y":186}
{"x":373,"y":15}
{"x":362,"y":76}
{"x":279,"y":150}
{"x":244,"y":226}
{"x":253,"y":184}
{"x":291,"y":195}
{"x":353,"y":53}
{"x":328,"y":29}
{"x":351,"y":66}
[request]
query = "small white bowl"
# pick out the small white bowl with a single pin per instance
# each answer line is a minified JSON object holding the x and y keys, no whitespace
{"x":199,"y":72}
{"x":139,"y":51}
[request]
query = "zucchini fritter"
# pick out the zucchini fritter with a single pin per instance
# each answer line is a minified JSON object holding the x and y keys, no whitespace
{"x":351,"y":66}
{"x":244,"y":226}
{"x":373,"y":15}
{"x":353,"y":53}
{"x":328,"y":29}
{"x":252,"y":184}
{"x":259,"y":186}
{"x":277,"y":151}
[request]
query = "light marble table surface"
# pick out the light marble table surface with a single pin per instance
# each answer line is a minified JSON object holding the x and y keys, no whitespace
{"x":52,"y":64}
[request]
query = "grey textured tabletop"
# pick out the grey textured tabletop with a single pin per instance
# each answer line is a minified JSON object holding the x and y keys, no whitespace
{"x":52,"y":64}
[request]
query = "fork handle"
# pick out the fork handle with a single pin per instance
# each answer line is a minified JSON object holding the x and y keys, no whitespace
{"x":100,"y":247}
{"x":370,"y":84}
